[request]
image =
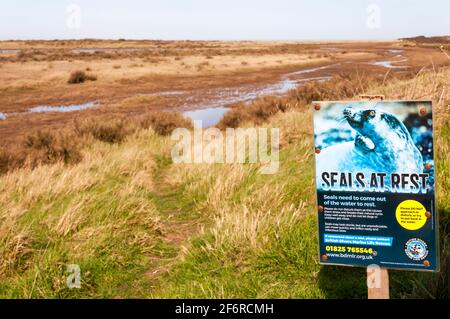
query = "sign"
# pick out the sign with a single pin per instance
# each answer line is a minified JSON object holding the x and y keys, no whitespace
{"x":375,"y":184}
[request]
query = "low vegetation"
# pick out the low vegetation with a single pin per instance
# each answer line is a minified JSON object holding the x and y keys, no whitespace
{"x":95,"y":49}
{"x":140,"y":226}
{"x":77,"y":77}
{"x":43,"y":147}
{"x":47,"y":147}
{"x":343,"y":86}
{"x":164,"y":123}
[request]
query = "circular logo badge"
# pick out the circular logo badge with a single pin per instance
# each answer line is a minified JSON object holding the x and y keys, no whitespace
{"x":416,"y":249}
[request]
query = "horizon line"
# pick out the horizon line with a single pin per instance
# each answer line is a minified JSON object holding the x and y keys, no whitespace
{"x":223,"y":40}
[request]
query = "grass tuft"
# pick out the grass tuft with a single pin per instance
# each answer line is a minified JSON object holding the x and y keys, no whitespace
{"x":77,"y":77}
{"x":164,"y":123}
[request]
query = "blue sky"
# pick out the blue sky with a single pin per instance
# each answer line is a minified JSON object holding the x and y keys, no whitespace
{"x":224,"y":19}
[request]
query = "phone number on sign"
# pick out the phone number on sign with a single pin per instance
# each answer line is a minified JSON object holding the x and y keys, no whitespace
{"x":346,"y":249}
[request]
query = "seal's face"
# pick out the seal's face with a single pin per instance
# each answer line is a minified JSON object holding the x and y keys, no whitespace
{"x":360,"y":120}
{"x":376,"y":125}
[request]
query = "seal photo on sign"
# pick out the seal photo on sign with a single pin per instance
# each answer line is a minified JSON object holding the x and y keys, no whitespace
{"x":382,"y":144}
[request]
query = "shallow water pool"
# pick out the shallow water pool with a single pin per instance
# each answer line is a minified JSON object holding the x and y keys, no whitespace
{"x":62,"y":108}
{"x":208,"y":117}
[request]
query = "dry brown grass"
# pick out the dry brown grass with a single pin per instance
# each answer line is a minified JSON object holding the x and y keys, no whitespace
{"x":30,"y":81}
{"x":43,"y":147}
{"x":110,"y":131}
{"x":116,"y":130}
{"x":77,"y":77}
{"x":50,"y":147}
{"x":35,"y":72}
{"x":47,"y":147}
{"x":13,"y":251}
{"x":164,"y":123}
{"x":10,"y":159}
{"x":341,"y":87}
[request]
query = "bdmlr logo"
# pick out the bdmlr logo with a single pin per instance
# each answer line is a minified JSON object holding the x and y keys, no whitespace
{"x":416,"y":249}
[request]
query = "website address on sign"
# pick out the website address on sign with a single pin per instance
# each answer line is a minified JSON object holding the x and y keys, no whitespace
{"x":350,"y":256}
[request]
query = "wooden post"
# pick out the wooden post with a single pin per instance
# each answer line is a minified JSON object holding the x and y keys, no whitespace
{"x":377,"y":283}
{"x":448,"y":261}
{"x":448,"y":272}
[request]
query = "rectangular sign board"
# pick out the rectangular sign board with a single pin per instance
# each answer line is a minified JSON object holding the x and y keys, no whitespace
{"x":375,"y":184}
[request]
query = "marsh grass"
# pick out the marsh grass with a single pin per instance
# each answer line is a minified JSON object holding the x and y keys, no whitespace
{"x":97,"y":213}
{"x":43,"y":147}
{"x":263,"y":239}
{"x":344,"y":86}
{"x":77,"y":77}
{"x":48,"y":147}
{"x":140,"y":226}
{"x":164,"y":123}
{"x":110,"y":131}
